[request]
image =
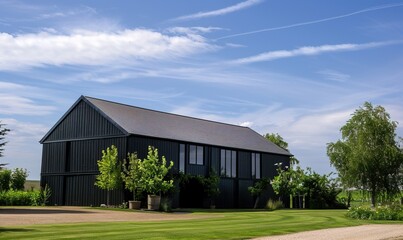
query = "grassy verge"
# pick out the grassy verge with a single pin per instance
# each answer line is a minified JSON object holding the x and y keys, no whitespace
{"x":222,"y":225}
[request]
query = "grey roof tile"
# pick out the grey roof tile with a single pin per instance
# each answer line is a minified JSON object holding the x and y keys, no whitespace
{"x":140,"y":121}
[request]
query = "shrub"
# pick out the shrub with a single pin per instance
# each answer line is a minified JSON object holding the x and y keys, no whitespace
{"x":5,"y":178}
{"x":273,"y":205}
{"x":386,"y":212}
{"x":18,"y":178}
{"x":19,"y":198}
{"x":44,"y":196}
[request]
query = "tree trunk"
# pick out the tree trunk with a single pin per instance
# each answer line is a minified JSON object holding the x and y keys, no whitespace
{"x":373,"y":197}
{"x":107,"y":198}
{"x":256,"y":202}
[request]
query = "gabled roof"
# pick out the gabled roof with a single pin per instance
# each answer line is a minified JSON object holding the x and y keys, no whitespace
{"x":145,"y":122}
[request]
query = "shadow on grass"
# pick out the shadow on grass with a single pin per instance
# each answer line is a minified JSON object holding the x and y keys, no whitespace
{"x":3,"y":229}
{"x":39,"y":211}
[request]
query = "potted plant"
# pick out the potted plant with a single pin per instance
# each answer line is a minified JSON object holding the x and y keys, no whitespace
{"x":131,"y":176}
{"x":153,"y":172}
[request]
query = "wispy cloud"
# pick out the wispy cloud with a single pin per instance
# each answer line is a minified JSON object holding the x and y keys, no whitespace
{"x":95,"y":48}
{"x":311,"y":50}
{"x":376,"y":8}
{"x":334,"y":75}
{"x":219,"y":12}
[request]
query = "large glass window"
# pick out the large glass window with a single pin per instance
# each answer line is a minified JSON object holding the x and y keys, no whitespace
{"x":255,"y":165}
{"x":196,"y":154}
{"x":182,"y":157}
{"x":228,"y":163}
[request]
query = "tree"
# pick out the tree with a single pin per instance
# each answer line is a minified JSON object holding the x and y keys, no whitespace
{"x":18,"y":178}
{"x":288,"y":181}
{"x":368,"y":155}
{"x":5,"y":178}
{"x":153,"y":172}
{"x":110,"y":170}
{"x":279,"y":141}
{"x":3,"y":133}
{"x":257,"y":189}
{"x":131,"y":174}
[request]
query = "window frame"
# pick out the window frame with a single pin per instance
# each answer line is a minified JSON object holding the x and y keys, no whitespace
{"x":256,"y":165}
{"x":228,"y":163}
{"x":198,"y":154}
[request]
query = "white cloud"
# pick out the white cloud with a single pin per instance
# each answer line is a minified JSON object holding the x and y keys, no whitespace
{"x":11,"y":104}
{"x":94,"y":48}
{"x":376,"y":8}
{"x":311,"y":50}
{"x":334,"y":75}
{"x":222,"y":11}
{"x":246,"y":124}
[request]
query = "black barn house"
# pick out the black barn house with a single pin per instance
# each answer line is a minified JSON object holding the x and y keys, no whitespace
{"x":74,"y":144}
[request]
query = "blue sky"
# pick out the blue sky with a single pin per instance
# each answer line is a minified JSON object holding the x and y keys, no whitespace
{"x":297,"y":68}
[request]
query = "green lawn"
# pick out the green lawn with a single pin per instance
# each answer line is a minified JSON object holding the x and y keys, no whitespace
{"x":232,"y":224}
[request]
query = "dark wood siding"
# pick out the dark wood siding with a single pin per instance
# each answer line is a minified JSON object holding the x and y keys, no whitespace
{"x":226,"y":197}
{"x":56,"y":185}
{"x":53,"y":158}
{"x":244,"y":165}
{"x":83,"y":122}
{"x":269,"y":169}
{"x":80,"y":191}
{"x":244,"y":197}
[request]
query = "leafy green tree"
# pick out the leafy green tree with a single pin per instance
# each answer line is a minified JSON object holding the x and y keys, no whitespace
{"x":288,"y":181}
{"x":368,"y":155}
{"x":211,"y":186}
{"x":5,"y":179}
{"x":18,"y":178}
{"x":153,"y":172}
{"x":110,"y":171}
{"x":131,"y":173}
{"x":279,"y":141}
{"x":257,"y":189}
{"x":3,"y":133}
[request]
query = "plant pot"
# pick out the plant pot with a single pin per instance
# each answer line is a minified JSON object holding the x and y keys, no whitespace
{"x":134,"y":205}
{"x":153,"y":202}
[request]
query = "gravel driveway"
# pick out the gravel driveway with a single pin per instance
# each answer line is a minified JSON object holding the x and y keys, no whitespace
{"x":367,"y":232}
{"x":51,"y":215}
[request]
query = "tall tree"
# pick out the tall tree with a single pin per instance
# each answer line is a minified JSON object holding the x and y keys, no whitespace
{"x":368,"y":155}
{"x":279,"y":141}
{"x":110,"y":171}
{"x":131,"y":173}
{"x":3,"y":133}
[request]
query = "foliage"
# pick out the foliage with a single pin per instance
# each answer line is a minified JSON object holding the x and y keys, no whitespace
{"x":5,"y":179}
{"x":109,"y":168}
{"x":368,"y":156}
{"x":211,"y":224}
{"x":386,"y":212}
{"x":153,"y":172}
{"x":3,"y":133}
{"x":131,"y":174}
{"x":19,"y":198}
{"x":279,"y":141}
{"x":288,"y":181}
{"x":166,"y":205}
{"x":211,"y":184}
{"x":320,"y":190}
{"x":273,"y":205}
{"x":18,"y":178}
{"x":257,"y":189}
{"x":45,"y":195}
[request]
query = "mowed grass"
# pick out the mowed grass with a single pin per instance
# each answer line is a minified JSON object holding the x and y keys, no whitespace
{"x":217,"y":225}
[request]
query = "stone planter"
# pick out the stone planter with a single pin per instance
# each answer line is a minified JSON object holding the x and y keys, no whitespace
{"x":134,"y":205}
{"x":153,"y":202}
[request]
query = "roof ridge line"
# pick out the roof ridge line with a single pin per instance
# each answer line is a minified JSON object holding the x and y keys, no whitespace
{"x":174,"y":114}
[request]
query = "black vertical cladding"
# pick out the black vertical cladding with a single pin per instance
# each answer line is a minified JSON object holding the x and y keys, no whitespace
{"x":83,"y":122}
{"x":244,"y":165}
{"x":53,"y":157}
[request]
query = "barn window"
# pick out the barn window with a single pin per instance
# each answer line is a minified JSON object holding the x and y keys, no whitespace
{"x":228,"y":163}
{"x":182,"y":157}
{"x":255,"y":165}
{"x":196,"y":155}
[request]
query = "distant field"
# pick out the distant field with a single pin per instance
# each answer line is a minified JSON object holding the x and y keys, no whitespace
{"x":32,"y":185}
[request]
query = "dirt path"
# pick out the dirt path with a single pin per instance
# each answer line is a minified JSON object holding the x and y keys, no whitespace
{"x":367,"y":232}
{"x":51,"y":215}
